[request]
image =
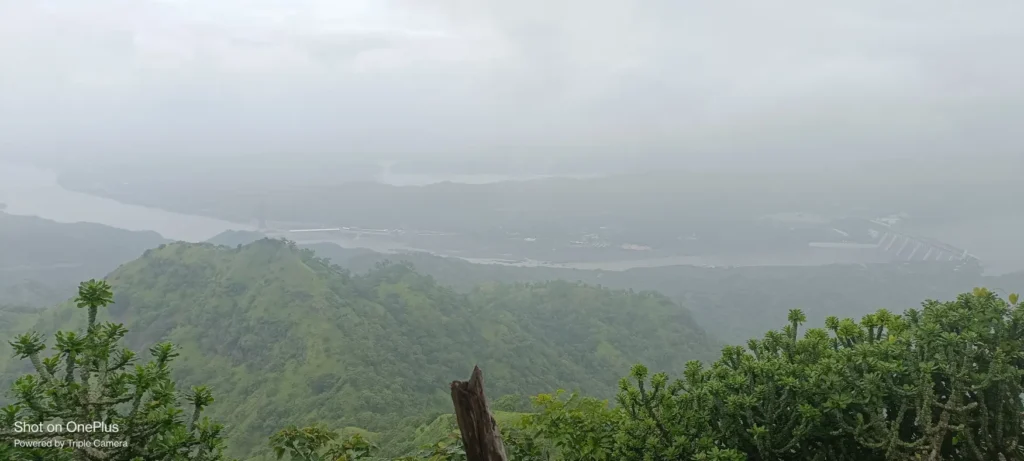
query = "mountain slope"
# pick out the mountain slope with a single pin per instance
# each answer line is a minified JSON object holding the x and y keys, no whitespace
{"x":732,"y":303}
{"x":285,"y":339}
{"x":42,"y":261}
{"x":231,"y":238}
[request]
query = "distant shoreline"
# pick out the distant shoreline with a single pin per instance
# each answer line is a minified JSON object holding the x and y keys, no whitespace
{"x":38,"y":192}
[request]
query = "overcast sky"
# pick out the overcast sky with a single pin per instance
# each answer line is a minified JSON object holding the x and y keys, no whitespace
{"x":393,"y":79}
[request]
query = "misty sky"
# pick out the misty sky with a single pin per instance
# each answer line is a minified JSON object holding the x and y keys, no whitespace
{"x":393,"y":79}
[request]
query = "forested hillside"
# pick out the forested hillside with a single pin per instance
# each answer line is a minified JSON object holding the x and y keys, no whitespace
{"x":284,"y":338}
{"x":41,"y":261}
{"x":733,"y":304}
{"x":941,"y":383}
{"x":318,"y":363}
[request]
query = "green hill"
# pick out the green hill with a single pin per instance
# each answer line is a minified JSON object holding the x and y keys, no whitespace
{"x":733,"y":304}
{"x":231,"y":238}
{"x":42,"y":261}
{"x":284,"y":338}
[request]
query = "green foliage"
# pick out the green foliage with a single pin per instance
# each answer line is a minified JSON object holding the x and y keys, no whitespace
{"x":316,"y":443}
{"x":574,"y":428}
{"x":442,"y":434}
{"x":941,"y":383}
{"x":286,"y":338}
{"x":91,"y":379}
{"x":732,"y":303}
{"x":512,"y":403}
{"x":448,"y":449}
{"x":289,"y":339}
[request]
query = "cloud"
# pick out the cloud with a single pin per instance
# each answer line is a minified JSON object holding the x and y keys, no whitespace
{"x":650,"y":80}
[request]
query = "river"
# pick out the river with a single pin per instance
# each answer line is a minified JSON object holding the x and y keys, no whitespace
{"x":27,"y":190}
{"x":32,"y":191}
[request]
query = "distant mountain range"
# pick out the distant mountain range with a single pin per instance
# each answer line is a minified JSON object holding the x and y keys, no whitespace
{"x":41,"y":261}
{"x":734,"y":303}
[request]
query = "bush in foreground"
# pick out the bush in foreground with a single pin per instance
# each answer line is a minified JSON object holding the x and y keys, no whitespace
{"x":90,"y":379}
{"x":943,"y":382}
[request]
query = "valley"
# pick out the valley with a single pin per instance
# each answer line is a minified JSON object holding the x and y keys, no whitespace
{"x":596,"y":240}
{"x":716,"y":295}
{"x":302,"y":331}
{"x":511,"y":231}
{"x":301,"y":334}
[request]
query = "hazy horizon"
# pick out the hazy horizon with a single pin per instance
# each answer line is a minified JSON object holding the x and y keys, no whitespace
{"x":542,"y":85}
{"x":329,"y":210}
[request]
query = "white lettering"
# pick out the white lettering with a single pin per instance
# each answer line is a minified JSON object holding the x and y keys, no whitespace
{"x":110,"y":444}
{"x":50,"y":443}
{"x":95,"y":426}
{"x":22,"y":427}
{"x":80,"y":443}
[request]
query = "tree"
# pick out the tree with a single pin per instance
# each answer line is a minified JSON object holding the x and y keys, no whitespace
{"x":481,"y":436}
{"x":132,"y":408}
{"x":944,"y":383}
{"x":941,"y":383}
{"x":92,"y":295}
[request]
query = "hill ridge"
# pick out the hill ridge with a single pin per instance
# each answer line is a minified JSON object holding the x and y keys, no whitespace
{"x":284,"y":337}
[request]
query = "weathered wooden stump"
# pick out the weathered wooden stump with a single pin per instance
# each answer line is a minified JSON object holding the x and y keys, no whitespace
{"x":480,"y":433}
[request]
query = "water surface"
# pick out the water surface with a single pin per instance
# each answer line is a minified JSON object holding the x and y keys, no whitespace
{"x":32,"y":191}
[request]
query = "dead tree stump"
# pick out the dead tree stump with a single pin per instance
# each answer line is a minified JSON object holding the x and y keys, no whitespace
{"x":480,"y":433}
